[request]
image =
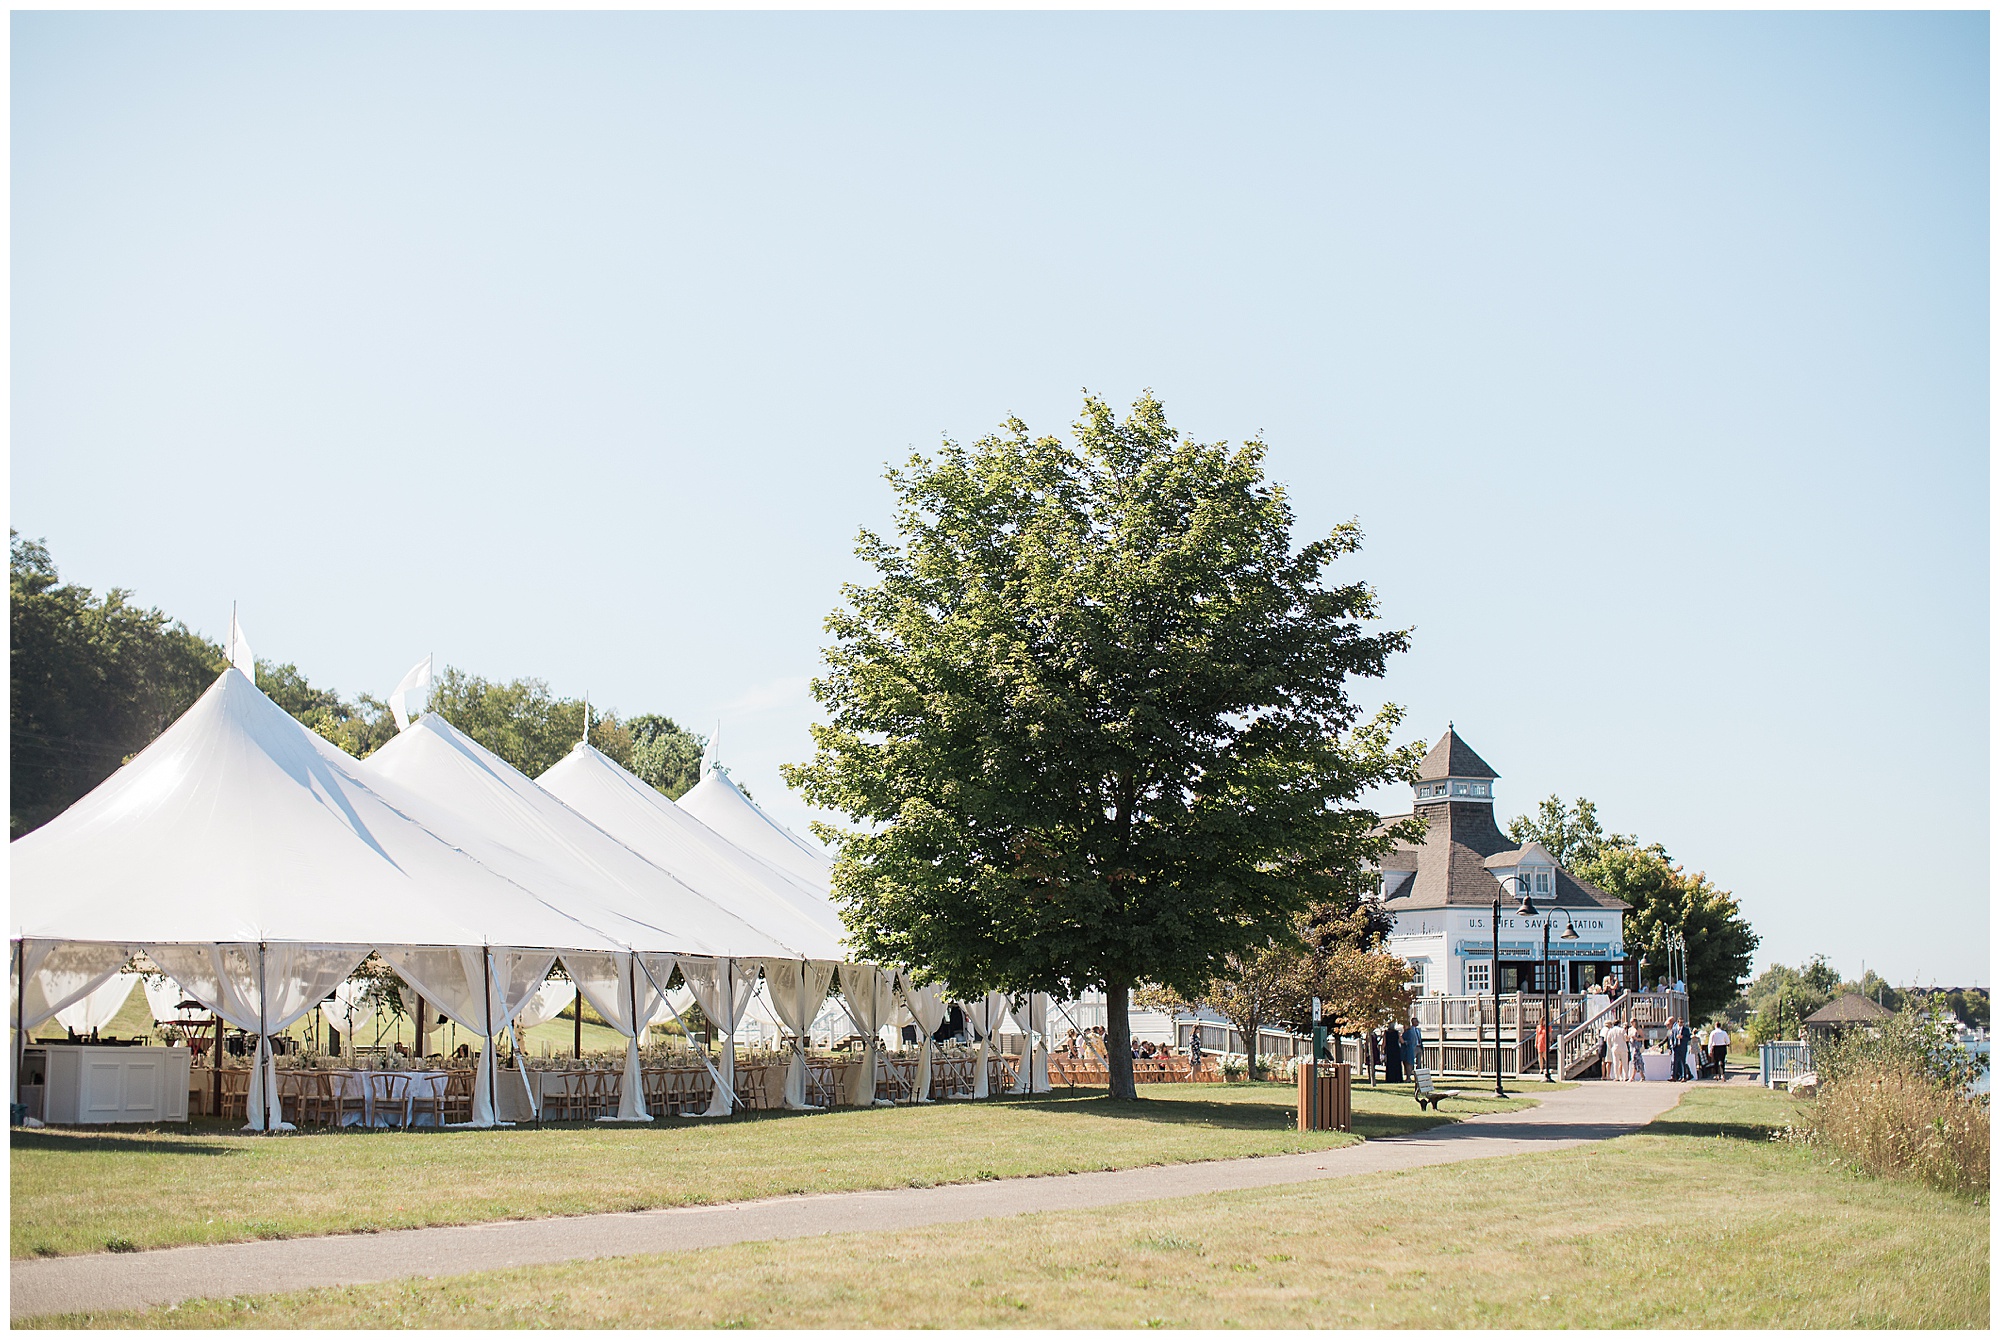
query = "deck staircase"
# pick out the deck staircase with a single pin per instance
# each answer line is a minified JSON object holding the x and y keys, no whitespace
{"x":1578,"y":1051}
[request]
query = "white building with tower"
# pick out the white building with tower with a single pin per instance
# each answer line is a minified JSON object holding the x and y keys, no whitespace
{"x":1440,"y":894}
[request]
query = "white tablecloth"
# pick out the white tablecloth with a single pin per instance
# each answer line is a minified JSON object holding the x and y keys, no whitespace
{"x":386,"y":1094}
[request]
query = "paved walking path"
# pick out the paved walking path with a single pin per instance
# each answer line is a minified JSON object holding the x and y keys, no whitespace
{"x":104,"y":1282}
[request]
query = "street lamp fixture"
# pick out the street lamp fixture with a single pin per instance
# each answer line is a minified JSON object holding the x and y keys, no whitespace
{"x":1526,"y":909}
{"x":1569,"y":933}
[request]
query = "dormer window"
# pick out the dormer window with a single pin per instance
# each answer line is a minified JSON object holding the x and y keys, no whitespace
{"x":1541,"y":881}
{"x":1430,"y":790}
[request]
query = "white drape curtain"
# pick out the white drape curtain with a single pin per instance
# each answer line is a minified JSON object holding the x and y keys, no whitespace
{"x":870,"y":996}
{"x":549,"y":1000}
{"x":545,"y":1004}
{"x":262,"y":990}
{"x":722,"y":987}
{"x":101,"y":1006}
{"x":458,"y":981}
{"x":1033,"y":1019}
{"x":349,"y":1009}
{"x":798,"y":988}
{"x":927,"y":1005}
{"x":56,"y":973}
{"x":163,"y":997}
{"x":624,"y":995}
{"x":989,"y":1014}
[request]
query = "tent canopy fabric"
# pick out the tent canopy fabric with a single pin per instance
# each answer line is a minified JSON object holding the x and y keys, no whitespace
{"x":238,"y":825}
{"x":622,"y":805}
{"x":720,"y":803}
{"x":483,"y":805}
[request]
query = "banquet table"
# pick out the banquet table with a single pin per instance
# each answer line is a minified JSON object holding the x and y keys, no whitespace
{"x":387,"y":1095}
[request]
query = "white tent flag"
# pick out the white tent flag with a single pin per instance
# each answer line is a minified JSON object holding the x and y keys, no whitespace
{"x":240,"y":654}
{"x":711,"y":754}
{"x":412,"y":688}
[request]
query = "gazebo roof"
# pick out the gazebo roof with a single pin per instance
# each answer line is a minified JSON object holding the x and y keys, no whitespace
{"x":1852,"y":1008}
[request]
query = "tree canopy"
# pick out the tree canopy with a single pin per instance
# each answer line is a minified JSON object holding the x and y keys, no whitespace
{"x":91,"y":681}
{"x":665,"y":756}
{"x":1092,"y":716}
{"x":95,"y":680}
{"x":1664,"y":896}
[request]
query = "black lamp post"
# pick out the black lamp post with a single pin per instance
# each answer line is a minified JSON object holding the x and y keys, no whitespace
{"x":1526,"y":909}
{"x":1569,"y":933}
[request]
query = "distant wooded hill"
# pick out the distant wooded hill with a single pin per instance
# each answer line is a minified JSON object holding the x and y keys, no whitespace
{"x":95,"y":678}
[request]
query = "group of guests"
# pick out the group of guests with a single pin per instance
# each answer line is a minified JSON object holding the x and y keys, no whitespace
{"x":1625,"y":1051}
{"x":1090,"y":1042}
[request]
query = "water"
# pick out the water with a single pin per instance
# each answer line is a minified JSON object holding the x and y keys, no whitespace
{"x":1981,"y":1047}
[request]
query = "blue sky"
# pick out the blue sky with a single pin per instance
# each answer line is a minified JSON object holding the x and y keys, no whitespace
{"x":1650,"y":351}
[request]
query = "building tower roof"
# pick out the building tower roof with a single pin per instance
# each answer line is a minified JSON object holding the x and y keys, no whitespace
{"x":1452,"y":757}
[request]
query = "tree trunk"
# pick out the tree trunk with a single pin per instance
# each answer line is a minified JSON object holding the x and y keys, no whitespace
{"x":1250,"y":1049}
{"x":1118,"y":1039}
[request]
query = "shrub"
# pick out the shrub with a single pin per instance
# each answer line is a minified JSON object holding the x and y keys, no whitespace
{"x":1892,"y":1123}
{"x":1897,"y":1101}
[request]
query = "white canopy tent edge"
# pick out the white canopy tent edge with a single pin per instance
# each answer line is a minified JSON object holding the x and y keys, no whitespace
{"x":257,"y":866}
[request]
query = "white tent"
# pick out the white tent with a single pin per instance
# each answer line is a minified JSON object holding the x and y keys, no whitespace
{"x":481,"y":803}
{"x":595,"y":786}
{"x":723,"y":808}
{"x":719,"y":803}
{"x":253,"y":863}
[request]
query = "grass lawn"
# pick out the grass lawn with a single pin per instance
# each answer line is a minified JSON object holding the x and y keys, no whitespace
{"x":101,"y":1188}
{"x":1698,"y":1221}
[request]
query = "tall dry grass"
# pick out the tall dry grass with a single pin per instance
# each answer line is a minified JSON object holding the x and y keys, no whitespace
{"x":1893,"y":1121}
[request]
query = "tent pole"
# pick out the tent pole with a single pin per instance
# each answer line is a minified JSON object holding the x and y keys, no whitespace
{"x":21,"y":1019}
{"x":263,"y":1043}
{"x":492,"y":1074}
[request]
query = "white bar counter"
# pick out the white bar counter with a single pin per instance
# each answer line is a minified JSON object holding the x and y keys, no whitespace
{"x":89,"y":1085}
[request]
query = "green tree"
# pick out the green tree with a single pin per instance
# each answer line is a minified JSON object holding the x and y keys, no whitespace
{"x":1781,"y":998}
{"x":1572,"y":836}
{"x":1664,"y":898}
{"x":360,"y":727}
{"x":523,"y":722}
{"x":91,"y":682}
{"x":1820,"y":975}
{"x":1092,"y":716}
{"x":664,"y":756}
{"x":1873,"y":987}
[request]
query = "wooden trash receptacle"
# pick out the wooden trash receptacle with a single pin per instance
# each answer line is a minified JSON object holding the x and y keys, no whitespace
{"x":1336,"y":1096}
